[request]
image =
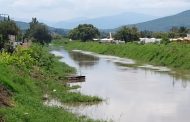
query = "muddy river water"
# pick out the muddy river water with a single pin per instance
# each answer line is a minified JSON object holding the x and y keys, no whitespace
{"x":131,"y":93}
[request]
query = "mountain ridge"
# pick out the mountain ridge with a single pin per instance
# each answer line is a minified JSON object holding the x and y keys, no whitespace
{"x":157,"y":25}
{"x":166,"y":23}
{"x":24,"y":26}
{"x":108,"y":22}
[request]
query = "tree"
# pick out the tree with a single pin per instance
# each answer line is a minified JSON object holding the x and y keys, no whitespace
{"x":41,"y":34}
{"x":160,"y":34}
{"x":165,"y":40}
{"x":183,"y":31}
{"x":146,"y":34}
{"x":84,"y":32}
{"x":176,"y":32}
{"x":174,"y":29}
{"x":173,"y":35}
{"x":7,"y":27}
{"x":38,"y":32}
{"x":127,"y":34}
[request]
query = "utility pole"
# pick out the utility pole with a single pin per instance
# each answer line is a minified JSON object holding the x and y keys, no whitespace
{"x":4,"y":16}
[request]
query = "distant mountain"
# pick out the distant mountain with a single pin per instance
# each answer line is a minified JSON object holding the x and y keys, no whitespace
{"x":24,"y":26}
{"x":21,"y":25}
{"x":166,"y":23}
{"x":108,"y":22}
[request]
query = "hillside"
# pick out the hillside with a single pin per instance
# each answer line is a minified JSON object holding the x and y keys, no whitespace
{"x":166,"y":23}
{"x":21,"y":25}
{"x":24,"y":26}
{"x":107,"y":22}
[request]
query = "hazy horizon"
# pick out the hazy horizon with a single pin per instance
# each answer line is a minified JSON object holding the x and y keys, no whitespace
{"x":51,"y":11}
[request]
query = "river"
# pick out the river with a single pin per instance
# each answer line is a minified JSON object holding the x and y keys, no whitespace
{"x":131,"y":93}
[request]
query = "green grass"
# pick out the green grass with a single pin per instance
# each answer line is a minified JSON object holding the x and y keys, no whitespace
{"x":173,"y":55}
{"x":29,"y":81}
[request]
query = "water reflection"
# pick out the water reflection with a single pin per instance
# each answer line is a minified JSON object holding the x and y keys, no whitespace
{"x":184,"y":82}
{"x":184,"y":79}
{"x":86,"y":61}
{"x":132,"y":93}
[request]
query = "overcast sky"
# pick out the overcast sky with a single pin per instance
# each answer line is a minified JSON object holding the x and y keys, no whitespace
{"x":58,"y":10}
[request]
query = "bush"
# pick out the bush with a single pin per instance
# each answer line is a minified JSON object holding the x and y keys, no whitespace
{"x":20,"y":58}
{"x":41,"y":57}
{"x":165,"y":40}
{"x":27,"y":58}
{"x":84,"y":32}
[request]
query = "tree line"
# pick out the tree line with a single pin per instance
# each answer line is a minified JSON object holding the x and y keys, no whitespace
{"x":38,"y":33}
{"x":84,"y":32}
{"x":87,"y":32}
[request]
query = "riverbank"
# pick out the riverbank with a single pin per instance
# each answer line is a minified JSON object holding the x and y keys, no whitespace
{"x":30,"y":75}
{"x":123,"y":84}
{"x":173,"y":55}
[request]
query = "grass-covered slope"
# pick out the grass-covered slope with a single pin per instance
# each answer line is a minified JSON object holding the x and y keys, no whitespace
{"x":166,"y":23}
{"x":25,"y":77}
{"x":174,"y":55}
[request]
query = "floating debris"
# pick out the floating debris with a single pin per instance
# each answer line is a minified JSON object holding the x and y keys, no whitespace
{"x":76,"y":79}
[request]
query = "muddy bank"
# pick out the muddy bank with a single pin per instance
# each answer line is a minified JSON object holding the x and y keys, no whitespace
{"x":5,"y":97}
{"x":1,"y":119}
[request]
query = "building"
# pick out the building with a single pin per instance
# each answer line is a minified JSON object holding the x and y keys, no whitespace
{"x":107,"y":40}
{"x":110,"y":39}
{"x":149,"y":40}
{"x":188,"y":37}
{"x":12,"y":38}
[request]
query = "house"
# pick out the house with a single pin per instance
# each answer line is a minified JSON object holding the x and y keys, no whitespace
{"x":104,"y":40}
{"x":118,"y":42}
{"x":12,"y":38}
{"x":187,"y":38}
{"x":149,"y":40}
{"x":107,"y":40}
{"x":13,"y":41}
{"x":110,"y":39}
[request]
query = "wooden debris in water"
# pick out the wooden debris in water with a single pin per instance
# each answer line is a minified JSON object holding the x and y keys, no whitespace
{"x":76,"y":79}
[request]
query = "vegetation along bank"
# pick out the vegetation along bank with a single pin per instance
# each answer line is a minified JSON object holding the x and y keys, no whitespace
{"x":30,"y":75}
{"x":174,"y":55}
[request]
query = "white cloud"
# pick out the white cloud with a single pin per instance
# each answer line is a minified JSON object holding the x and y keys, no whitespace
{"x":56,"y":10}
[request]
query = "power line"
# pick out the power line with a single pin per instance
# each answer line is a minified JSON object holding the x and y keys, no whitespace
{"x":4,"y":15}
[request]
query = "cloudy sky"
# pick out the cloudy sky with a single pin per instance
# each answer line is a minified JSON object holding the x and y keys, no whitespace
{"x":58,"y":10}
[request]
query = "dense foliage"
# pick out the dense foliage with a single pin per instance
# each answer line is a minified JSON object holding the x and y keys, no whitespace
{"x":30,"y":73}
{"x":175,"y":55}
{"x":84,"y":32}
{"x":38,"y":32}
{"x":7,"y":27}
{"x":127,"y":34}
{"x":175,"y":32}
